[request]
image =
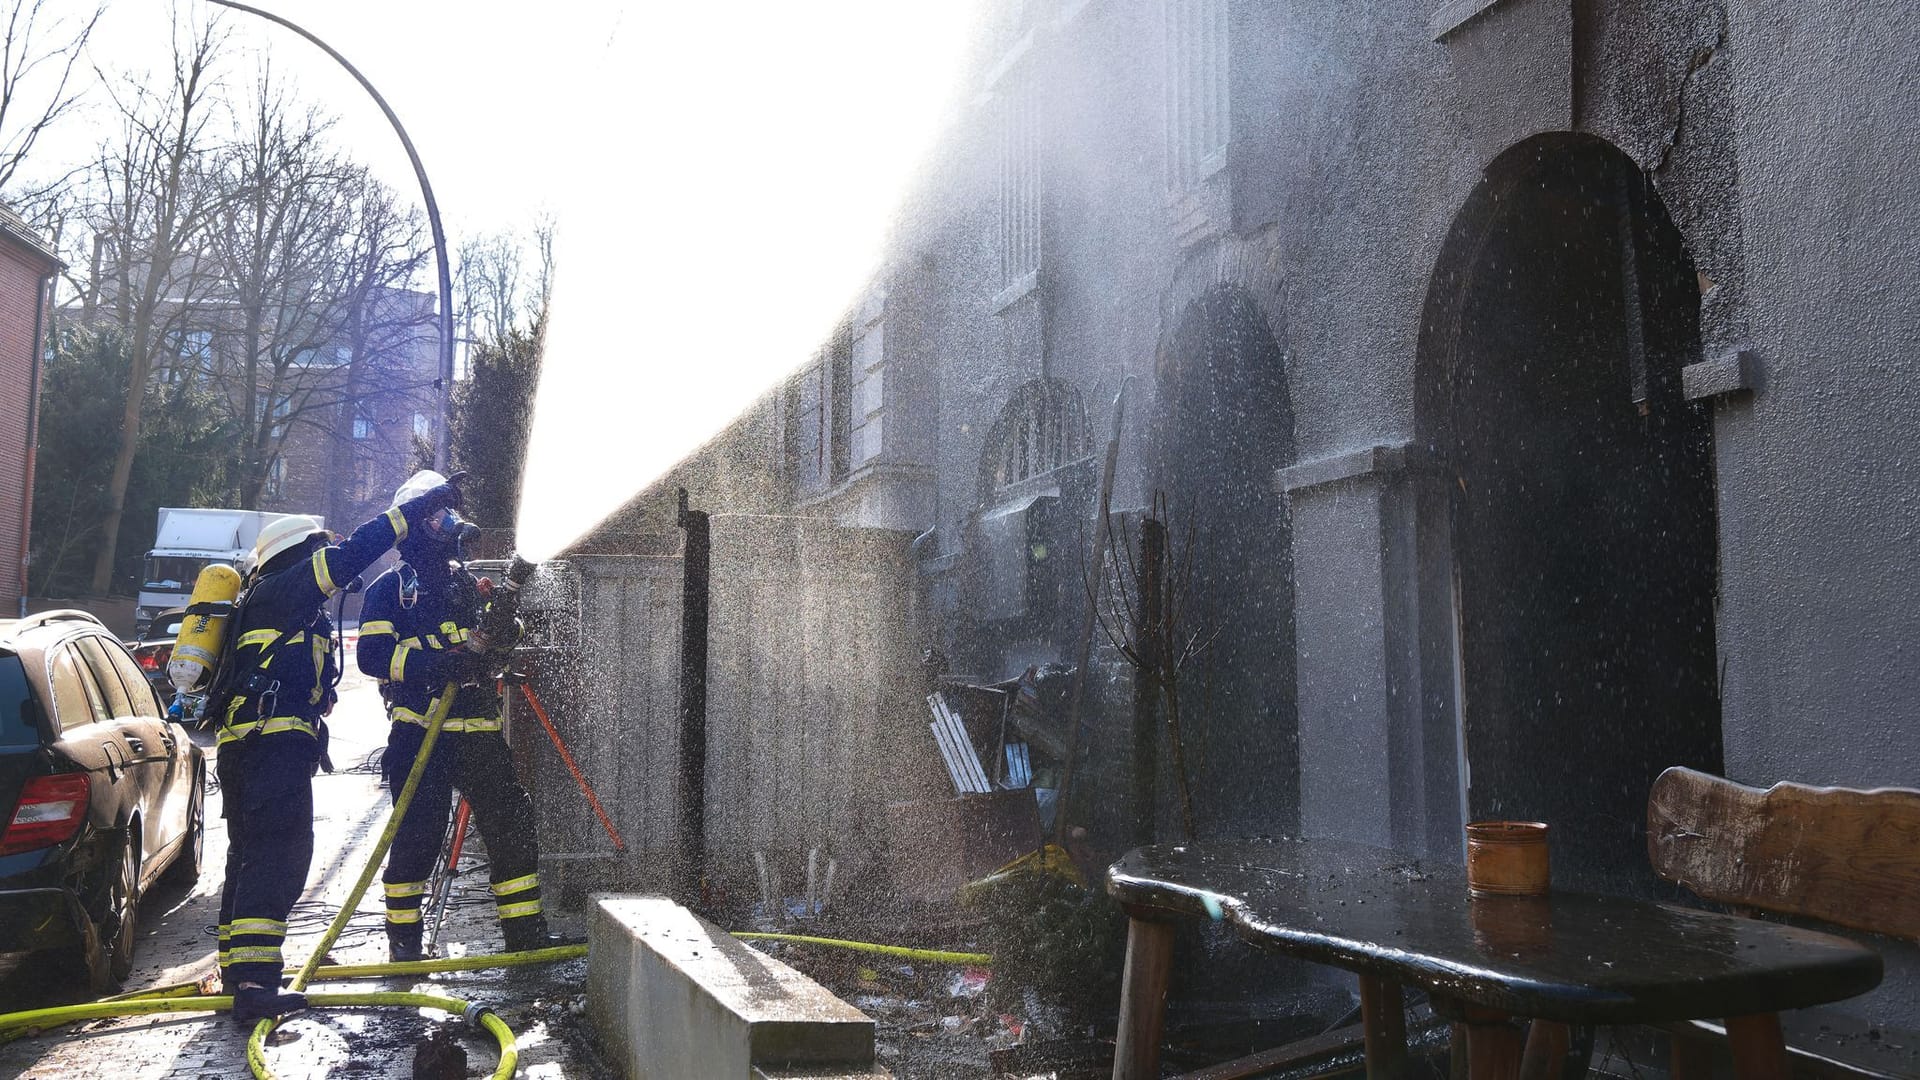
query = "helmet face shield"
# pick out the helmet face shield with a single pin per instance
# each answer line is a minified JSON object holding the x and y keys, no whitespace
{"x":417,"y":485}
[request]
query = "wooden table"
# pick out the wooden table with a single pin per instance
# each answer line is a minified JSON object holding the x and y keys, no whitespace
{"x":1568,"y":961}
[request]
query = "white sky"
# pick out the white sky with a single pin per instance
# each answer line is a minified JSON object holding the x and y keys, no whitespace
{"x":722,"y":175}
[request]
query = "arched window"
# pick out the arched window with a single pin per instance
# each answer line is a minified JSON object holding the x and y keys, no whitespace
{"x":1042,"y":428}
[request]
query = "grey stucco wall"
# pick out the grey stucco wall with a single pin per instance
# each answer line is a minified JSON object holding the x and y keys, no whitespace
{"x":1820,"y":516}
{"x":1779,"y":137}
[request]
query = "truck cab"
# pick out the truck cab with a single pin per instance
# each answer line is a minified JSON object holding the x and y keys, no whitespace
{"x":185,"y":541}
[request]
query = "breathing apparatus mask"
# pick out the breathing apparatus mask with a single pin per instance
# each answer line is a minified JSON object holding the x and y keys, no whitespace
{"x":455,"y":530}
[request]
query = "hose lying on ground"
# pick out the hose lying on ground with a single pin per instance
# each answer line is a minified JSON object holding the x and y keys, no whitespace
{"x":95,"y":1010}
{"x":930,"y":956}
{"x":186,"y":997}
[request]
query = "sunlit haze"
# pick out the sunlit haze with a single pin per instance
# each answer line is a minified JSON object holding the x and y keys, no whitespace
{"x":721,"y":177}
{"x":721,"y":196}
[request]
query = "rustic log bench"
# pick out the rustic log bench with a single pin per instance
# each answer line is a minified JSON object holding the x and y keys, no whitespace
{"x":1844,"y":857}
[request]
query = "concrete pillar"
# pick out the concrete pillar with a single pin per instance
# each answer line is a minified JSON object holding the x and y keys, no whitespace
{"x":1378,"y":740}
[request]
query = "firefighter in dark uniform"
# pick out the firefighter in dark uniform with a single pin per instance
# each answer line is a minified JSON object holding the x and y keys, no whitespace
{"x":418,"y":635}
{"x":275,"y":686}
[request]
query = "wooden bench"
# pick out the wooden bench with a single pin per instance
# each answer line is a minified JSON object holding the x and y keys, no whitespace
{"x":1844,"y":857}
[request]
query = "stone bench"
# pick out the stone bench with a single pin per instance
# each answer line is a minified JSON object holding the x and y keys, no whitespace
{"x":671,"y":996}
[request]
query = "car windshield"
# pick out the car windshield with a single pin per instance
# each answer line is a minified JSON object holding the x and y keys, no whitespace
{"x":174,"y":572}
{"x":17,"y":731}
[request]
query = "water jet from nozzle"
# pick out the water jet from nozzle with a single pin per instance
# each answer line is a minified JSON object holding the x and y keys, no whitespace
{"x":645,"y":353}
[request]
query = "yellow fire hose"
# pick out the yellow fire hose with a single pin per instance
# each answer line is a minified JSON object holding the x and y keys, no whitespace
{"x":930,"y":956}
{"x":186,"y":997}
{"x":67,"y":1014}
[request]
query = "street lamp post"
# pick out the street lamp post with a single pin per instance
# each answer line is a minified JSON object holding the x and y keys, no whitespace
{"x":445,"y":381}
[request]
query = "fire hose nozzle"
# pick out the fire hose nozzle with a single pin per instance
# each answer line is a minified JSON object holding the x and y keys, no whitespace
{"x":497,"y":623}
{"x":519,"y":569}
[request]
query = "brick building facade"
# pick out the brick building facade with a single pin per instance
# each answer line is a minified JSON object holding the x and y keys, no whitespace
{"x":26,"y":266}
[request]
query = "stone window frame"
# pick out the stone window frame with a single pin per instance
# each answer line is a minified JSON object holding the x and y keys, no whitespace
{"x":1197,"y":48}
{"x":1021,"y":182}
{"x":1043,"y":428}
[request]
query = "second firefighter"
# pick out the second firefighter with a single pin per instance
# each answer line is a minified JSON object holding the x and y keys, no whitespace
{"x":417,"y":636}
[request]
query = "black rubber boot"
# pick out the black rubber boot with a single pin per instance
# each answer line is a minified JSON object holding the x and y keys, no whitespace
{"x":526,"y":933}
{"x":404,"y":949}
{"x":252,"y":1004}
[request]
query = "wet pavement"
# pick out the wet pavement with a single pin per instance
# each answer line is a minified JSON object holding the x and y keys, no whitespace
{"x":542,"y":1006}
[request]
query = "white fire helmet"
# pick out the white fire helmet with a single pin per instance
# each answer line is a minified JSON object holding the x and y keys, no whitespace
{"x":417,"y":485}
{"x":284,"y":533}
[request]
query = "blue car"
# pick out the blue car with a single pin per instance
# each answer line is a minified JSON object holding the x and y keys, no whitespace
{"x":103,"y":797}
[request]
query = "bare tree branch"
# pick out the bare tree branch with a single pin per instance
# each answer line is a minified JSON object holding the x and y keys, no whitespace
{"x":28,"y":64}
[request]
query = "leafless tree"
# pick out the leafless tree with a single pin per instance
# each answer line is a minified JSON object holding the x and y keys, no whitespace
{"x":542,"y":268}
{"x":274,"y":240}
{"x":152,"y":206}
{"x":1141,"y":599}
{"x":384,"y":321}
{"x":495,"y":288}
{"x":487,"y":284}
{"x":315,"y":257}
{"x":38,"y":52}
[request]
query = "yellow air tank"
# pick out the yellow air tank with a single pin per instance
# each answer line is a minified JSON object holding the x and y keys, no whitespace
{"x":203,"y":632}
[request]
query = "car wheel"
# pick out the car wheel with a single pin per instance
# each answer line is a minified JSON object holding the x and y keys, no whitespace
{"x":190,"y":858}
{"x":120,"y":928}
{"x":106,"y":956}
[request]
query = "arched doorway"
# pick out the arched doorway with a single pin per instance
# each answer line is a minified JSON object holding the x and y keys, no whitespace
{"x":1224,"y":426}
{"x":1559,"y":317}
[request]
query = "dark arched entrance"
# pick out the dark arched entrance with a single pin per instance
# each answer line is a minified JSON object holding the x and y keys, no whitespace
{"x":1224,"y":426}
{"x":1560,"y":315}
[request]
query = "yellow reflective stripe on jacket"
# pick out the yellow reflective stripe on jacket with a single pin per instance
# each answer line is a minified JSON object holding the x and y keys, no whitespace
{"x":399,"y":522}
{"x":323,"y":574}
{"x":519,"y":911}
{"x":273,"y":725}
{"x":397,"y":667}
{"x":404,"y":715}
{"x":255,"y":954}
{"x":262,"y":638}
{"x":403,"y":915}
{"x":376,"y":628}
{"x":322,"y":645}
{"x":399,"y":889}
{"x":517,"y":885}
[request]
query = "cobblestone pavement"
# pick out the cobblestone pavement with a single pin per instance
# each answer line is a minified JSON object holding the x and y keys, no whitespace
{"x":541,"y":1005}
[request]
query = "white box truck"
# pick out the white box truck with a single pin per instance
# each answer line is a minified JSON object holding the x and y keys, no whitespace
{"x":187,"y":539}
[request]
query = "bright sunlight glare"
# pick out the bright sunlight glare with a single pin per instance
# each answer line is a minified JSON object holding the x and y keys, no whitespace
{"x":732,"y":172}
